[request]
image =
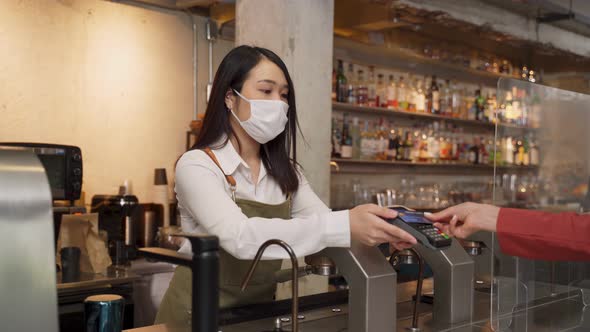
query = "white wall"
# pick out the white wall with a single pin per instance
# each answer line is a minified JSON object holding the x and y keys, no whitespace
{"x":114,"y":79}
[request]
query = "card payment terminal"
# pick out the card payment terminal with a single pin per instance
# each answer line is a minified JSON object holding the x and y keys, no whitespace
{"x":421,"y":228}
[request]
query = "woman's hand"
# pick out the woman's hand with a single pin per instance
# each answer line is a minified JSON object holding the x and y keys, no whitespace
{"x":367,"y":227}
{"x":465,"y":219}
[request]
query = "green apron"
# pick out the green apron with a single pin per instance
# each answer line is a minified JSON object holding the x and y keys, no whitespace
{"x":175,"y":308}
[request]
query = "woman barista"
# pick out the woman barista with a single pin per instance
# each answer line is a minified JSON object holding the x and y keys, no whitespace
{"x":241,"y":182}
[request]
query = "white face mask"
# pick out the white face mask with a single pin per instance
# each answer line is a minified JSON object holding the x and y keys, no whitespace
{"x":267,"y":118}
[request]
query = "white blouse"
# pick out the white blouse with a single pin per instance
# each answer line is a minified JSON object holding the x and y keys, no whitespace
{"x":206,"y":206}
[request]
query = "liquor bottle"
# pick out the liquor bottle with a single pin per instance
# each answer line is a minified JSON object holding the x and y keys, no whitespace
{"x":346,"y":140}
{"x":526,"y":151}
{"x":445,"y":147}
{"x":420,"y":97}
{"x":448,"y":99}
{"x":498,"y":159}
{"x":434,"y":144}
{"x":479,"y":106}
{"x":534,"y":154}
{"x":366,"y":143}
{"x":411,"y":93}
{"x":435,"y":92}
{"x":355,"y":134}
{"x":416,"y":144}
{"x":474,"y":151}
{"x":427,"y":94}
{"x":400,"y":147}
{"x":472,"y":111}
{"x":392,"y":93}
{"x":408,"y":146}
{"x":381,"y":141}
{"x":462,"y":153}
{"x":491,"y":106}
{"x":393,"y":145}
{"x":342,"y":88}
{"x":454,"y":146}
{"x":371,"y":89}
{"x":334,"y":87}
{"x":362,"y":92}
{"x":336,"y":138}
{"x":456,"y":101}
{"x":402,"y":96}
{"x":351,"y":87}
{"x":381,"y":100}
{"x":484,"y":155}
{"x":518,"y":152}
{"x":424,"y":155}
{"x":508,"y":151}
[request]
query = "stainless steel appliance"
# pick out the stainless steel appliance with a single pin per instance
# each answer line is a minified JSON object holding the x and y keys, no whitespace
{"x":27,"y":276}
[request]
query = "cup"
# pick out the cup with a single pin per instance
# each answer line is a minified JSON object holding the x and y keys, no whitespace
{"x":104,"y":313}
{"x":70,"y":264}
{"x":148,"y":233}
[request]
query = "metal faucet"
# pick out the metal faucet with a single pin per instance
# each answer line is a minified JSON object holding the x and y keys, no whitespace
{"x":294,"y":284}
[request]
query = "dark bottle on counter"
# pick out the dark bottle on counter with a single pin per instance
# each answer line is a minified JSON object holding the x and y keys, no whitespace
{"x":346,"y":142}
{"x":474,"y":151}
{"x":341,"y":84}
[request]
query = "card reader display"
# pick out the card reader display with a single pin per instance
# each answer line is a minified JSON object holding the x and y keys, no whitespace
{"x":421,"y":228}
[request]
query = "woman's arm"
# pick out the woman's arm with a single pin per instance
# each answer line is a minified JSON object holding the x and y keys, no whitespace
{"x":201,"y":192}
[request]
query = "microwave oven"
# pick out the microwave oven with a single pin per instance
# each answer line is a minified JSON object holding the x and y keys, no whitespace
{"x":63,"y":166}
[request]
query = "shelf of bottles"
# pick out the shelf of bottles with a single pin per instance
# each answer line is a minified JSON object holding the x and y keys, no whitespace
{"x":414,"y":121}
{"x":466,"y":64}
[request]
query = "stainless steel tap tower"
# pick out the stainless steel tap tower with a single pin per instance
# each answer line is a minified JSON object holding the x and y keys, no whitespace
{"x":27,"y":252}
{"x":372,"y":287}
{"x":453,"y":283}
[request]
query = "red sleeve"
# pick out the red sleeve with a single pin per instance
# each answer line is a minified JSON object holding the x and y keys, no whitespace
{"x":544,"y":235}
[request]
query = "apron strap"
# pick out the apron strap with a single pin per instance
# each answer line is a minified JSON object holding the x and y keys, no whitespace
{"x":230,"y":179}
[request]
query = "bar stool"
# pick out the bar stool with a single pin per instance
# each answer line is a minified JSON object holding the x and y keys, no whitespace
{"x":104,"y":313}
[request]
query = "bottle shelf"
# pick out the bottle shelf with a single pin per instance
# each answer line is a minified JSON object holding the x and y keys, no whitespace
{"x":344,"y":107}
{"x":392,"y":56}
{"x":387,"y":166}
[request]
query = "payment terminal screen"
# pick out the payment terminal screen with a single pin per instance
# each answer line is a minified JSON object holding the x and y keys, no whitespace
{"x":413,"y":217}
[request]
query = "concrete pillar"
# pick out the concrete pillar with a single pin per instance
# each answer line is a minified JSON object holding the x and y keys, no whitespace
{"x":301,"y":33}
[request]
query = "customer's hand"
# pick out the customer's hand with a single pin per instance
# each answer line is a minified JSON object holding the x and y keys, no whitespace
{"x":465,"y":219}
{"x":367,"y":227}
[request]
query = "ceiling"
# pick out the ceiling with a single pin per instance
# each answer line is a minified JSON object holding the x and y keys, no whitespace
{"x":393,"y":21}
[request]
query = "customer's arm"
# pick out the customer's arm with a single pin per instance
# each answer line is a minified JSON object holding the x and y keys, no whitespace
{"x":543,"y":235}
{"x":524,"y":233}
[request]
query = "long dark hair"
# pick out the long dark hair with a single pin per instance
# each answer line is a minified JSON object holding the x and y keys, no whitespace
{"x":279,"y":156}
